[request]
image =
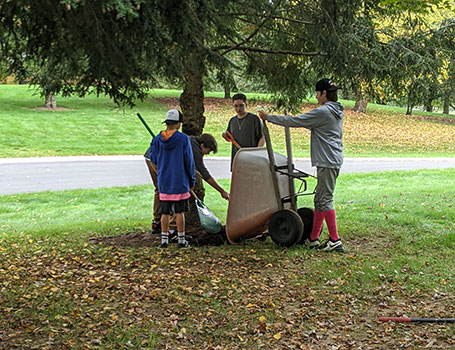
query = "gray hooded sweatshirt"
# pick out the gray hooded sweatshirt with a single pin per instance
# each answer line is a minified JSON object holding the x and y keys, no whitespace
{"x":326,"y":125}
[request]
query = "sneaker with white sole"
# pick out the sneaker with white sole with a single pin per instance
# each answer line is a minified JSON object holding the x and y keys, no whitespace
{"x":312,"y":244}
{"x":173,"y":238}
{"x":332,"y":246}
{"x":185,"y":244}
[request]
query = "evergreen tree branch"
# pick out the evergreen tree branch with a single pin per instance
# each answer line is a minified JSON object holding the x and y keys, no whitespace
{"x":272,"y":52}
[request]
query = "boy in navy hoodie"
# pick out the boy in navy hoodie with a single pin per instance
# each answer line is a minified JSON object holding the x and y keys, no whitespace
{"x":172,"y":154}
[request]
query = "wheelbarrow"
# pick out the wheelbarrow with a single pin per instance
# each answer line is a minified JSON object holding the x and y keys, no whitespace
{"x":263,"y":196}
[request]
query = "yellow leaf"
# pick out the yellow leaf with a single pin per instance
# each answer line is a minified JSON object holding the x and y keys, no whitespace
{"x":234,"y":259}
{"x":277,"y":336}
{"x":262,"y":319}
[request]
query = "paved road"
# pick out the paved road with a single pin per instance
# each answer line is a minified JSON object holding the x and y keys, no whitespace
{"x":23,"y":175}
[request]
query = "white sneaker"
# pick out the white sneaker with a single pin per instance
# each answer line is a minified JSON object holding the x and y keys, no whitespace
{"x":312,"y":244}
{"x":330,"y":246}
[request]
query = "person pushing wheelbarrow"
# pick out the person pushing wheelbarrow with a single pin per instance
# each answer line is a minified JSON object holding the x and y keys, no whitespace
{"x":326,"y":125}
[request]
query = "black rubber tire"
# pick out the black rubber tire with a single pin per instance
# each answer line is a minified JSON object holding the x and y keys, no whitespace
{"x":285,"y":228}
{"x":307,"y":215}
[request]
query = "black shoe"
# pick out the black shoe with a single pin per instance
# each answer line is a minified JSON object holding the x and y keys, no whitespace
{"x":163,"y":245}
{"x":185,"y":244}
{"x":331,"y":246}
{"x":156,"y":227}
{"x":312,"y":244}
{"x":173,"y":237}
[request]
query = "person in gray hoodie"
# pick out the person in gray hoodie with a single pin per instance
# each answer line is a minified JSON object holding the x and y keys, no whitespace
{"x":326,"y":125}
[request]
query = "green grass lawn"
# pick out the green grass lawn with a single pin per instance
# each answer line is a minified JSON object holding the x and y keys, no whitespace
{"x":59,"y":290}
{"x":95,"y":126}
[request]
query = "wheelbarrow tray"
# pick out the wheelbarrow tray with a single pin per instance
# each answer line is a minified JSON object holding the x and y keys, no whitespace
{"x":252,"y":197}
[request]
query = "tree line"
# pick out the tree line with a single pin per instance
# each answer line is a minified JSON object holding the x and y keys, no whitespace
{"x":399,"y":51}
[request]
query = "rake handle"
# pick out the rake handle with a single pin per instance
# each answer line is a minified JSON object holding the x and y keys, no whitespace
{"x":412,"y":319}
{"x":146,"y":126}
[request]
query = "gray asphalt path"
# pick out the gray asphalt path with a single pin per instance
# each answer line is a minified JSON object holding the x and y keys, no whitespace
{"x":24,"y":175}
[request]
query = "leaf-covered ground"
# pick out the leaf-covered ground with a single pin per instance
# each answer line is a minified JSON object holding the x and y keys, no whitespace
{"x":251,"y":296}
{"x":364,"y":134}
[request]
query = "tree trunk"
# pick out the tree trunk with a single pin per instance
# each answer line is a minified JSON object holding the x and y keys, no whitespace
{"x":50,"y":101}
{"x":192,"y":223}
{"x":409,"y":104}
{"x":192,"y":105}
{"x":192,"y":97}
{"x":360,"y":102}
{"x":429,"y":105}
{"x":409,"y":108}
{"x":446,"y":105}
{"x":227,"y":90}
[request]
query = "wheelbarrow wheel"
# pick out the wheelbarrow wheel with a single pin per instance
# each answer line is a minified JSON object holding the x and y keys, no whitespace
{"x":307,"y":215}
{"x":285,"y":228}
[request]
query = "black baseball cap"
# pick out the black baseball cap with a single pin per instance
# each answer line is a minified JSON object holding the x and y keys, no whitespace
{"x":326,"y":84}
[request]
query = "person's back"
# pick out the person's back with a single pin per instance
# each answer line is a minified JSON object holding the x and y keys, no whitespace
{"x":172,"y":154}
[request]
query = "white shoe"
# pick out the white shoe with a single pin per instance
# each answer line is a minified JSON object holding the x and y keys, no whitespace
{"x":312,"y":244}
{"x":330,"y":246}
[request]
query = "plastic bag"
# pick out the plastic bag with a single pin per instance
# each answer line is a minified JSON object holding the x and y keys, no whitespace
{"x":209,"y":221}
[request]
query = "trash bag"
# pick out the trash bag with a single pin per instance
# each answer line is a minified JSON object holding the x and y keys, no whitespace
{"x":209,"y":222}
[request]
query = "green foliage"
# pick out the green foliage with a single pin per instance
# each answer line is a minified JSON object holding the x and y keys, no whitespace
{"x":416,"y":6}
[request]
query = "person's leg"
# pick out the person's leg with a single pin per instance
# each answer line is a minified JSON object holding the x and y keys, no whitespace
{"x":156,"y":199}
{"x":330,"y":219}
{"x":180,"y":221}
{"x":327,"y":178}
{"x":181,"y":208}
{"x":164,"y":230}
{"x":318,"y":217}
{"x":166,"y":209}
{"x":325,"y":205}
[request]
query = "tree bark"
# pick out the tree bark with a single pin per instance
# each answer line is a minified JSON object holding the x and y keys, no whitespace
{"x":446,"y":105}
{"x":360,"y":102}
{"x":227,"y":90}
{"x":192,"y":105}
{"x":409,"y":108}
{"x":192,"y":97}
{"x":429,"y":105}
{"x":50,"y":101}
{"x":192,"y":223}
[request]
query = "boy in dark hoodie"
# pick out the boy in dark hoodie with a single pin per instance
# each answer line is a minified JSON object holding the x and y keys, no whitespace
{"x":326,"y":125}
{"x":172,"y":154}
